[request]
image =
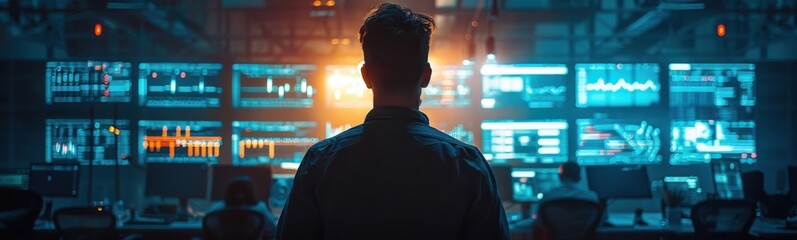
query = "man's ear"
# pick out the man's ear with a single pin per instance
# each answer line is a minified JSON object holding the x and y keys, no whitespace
{"x":426,"y":75}
{"x":366,"y":77}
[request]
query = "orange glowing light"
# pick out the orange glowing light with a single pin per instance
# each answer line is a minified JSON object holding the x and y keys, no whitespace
{"x":721,"y":30}
{"x":345,"y":41}
{"x":317,"y":3}
{"x":330,"y":3}
{"x":97,"y":29}
{"x":335,"y":41}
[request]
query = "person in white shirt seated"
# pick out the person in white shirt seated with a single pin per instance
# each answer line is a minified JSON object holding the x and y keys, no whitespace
{"x":241,"y":195}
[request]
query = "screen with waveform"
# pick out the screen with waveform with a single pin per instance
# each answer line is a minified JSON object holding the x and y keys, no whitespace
{"x":70,"y":140}
{"x":704,"y":85}
{"x":617,"y":85}
{"x":273,"y":86}
{"x":346,"y":89}
{"x":90,"y":81}
{"x":179,"y":141}
{"x":179,"y":85}
{"x":606,"y":142}
{"x":448,"y":87}
{"x":539,"y":141}
{"x":279,"y":144}
{"x":700,"y":141}
{"x":460,"y":131}
{"x":524,"y":85}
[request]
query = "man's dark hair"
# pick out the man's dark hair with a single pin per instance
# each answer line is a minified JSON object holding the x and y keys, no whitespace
{"x":570,"y":171}
{"x":395,"y":43}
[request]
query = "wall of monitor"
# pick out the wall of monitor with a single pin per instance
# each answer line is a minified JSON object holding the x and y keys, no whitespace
{"x":674,"y":117}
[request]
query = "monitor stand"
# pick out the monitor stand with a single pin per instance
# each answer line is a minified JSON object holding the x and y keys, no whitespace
{"x":48,"y":210}
{"x":182,"y":209}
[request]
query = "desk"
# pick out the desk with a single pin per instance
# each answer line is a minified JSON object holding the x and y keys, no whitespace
{"x":175,"y":230}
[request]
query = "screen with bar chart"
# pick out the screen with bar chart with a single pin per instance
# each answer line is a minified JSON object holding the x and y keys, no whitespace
{"x":179,"y":141}
{"x":449,"y":87}
{"x":273,"y":86}
{"x":280,"y":144}
{"x":89,"y":81}
{"x":539,"y":141}
{"x":611,"y":141}
{"x":332,"y":129}
{"x":179,"y":85}
{"x":700,"y":141}
{"x":720,"y":85}
{"x":524,"y":85}
{"x":345,"y":88}
{"x":70,"y":140}
{"x":617,"y":85}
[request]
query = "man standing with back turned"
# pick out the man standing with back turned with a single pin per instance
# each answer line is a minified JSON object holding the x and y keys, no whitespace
{"x":394,"y":176}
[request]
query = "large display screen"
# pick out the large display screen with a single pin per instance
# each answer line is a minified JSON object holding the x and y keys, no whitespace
{"x":179,"y":85}
{"x":70,"y":140}
{"x":617,"y":85}
{"x":700,"y":141}
{"x":524,"y":85}
{"x":180,"y":141}
{"x":607,"y":141}
{"x":90,"y":81}
{"x":273,"y":86}
{"x":720,"y":85}
{"x":332,"y":129}
{"x":346,"y":88}
{"x":539,"y":141}
{"x":280,"y":144}
{"x":460,"y":131}
{"x":448,"y":87}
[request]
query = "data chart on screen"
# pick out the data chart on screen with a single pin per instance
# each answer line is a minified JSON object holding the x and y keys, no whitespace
{"x":457,"y":130}
{"x":720,"y":85}
{"x":180,"y":141}
{"x":524,"y":85}
{"x":700,"y":141}
{"x":538,"y":141}
{"x":449,"y":87}
{"x":273,"y":85}
{"x":104,"y":141}
{"x":617,"y":85}
{"x":531,"y":184}
{"x":332,"y":129}
{"x":612,"y":141}
{"x":345,"y":87}
{"x":88,"y":81}
{"x":275,"y":143}
{"x":179,"y":85}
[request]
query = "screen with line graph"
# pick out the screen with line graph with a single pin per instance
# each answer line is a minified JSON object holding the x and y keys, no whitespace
{"x":460,"y":131}
{"x":617,"y":85}
{"x":345,"y":87}
{"x":279,"y":144}
{"x":523,"y":85}
{"x":179,"y":141}
{"x":273,"y":86}
{"x":181,"y":85}
{"x":70,"y":140}
{"x":89,"y":81}
{"x":611,"y":141}
{"x":539,"y":141}
{"x":709,"y":85}
{"x":448,"y":87}
{"x":700,"y":141}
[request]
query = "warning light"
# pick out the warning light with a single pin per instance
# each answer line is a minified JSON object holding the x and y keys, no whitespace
{"x":721,"y":30}
{"x":97,"y":29}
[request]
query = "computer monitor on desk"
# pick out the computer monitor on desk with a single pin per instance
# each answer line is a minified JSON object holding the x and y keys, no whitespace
{"x":177,"y":180}
{"x":618,"y":182}
{"x":54,"y":180}
{"x":689,"y":186}
{"x":525,"y":184}
{"x":15,"y":178}
{"x":223,"y":175}
{"x":727,"y":178}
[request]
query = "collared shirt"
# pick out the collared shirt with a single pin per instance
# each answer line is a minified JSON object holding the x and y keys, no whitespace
{"x":569,"y":191}
{"x":393,"y":177}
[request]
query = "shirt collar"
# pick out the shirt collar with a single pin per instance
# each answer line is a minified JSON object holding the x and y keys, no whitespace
{"x":397,"y":113}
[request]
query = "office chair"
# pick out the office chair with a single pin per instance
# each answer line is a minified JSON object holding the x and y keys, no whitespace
{"x":18,"y":212}
{"x":233,"y":224}
{"x":568,"y":219}
{"x":753,"y":185}
{"x":723,"y":219}
{"x":85,"y":223}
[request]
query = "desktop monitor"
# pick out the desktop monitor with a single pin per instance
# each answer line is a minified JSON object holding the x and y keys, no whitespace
{"x":524,"y":184}
{"x":55,"y":180}
{"x":223,"y":175}
{"x":689,"y":186}
{"x":14,"y":178}
{"x":623,"y":182}
{"x":180,"y":180}
{"x":727,"y":178}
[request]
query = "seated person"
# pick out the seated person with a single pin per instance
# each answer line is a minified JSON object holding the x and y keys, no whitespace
{"x":241,"y":195}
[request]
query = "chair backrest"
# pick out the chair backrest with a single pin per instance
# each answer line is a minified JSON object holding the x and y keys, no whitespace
{"x":723,"y":217}
{"x":753,"y":185}
{"x":569,"y":219}
{"x":84,"y":223}
{"x":233,"y":224}
{"x":18,"y":212}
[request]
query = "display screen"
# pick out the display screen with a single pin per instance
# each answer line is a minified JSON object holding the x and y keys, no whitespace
{"x":273,"y":86}
{"x":606,"y":141}
{"x":180,"y":141}
{"x":14,"y":178}
{"x":179,"y":85}
{"x":448,"y":87}
{"x":280,"y":144}
{"x":688,"y":186}
{"x":727,"y":179}
{"x":333,"y":129}
{"x":346,"y":88}
{"x":460,"y":131}
{"x":90,"y":81}
{"x":524,"y":85}
{"x":617,"y":85}
{"x":70,"y":140}
{"x":720,"y":85}
{"x":701,"y":141}
{"x":530,"y":184}
{"x":531,"y":142}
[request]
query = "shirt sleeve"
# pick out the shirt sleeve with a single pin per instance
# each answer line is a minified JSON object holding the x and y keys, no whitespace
{"x":300,"y":218}
{"x":486,"y":218}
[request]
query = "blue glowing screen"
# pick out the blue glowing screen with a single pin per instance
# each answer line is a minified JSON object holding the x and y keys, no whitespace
{"x":541,"y":141}
{"x":180,"y":141}
{"x":460,"y":131}
{"x":720,"y":85}
{"x":700,"y":141}
{"x":617,"y":85}
{"x":530,"y":184}
{"x":605,"y":141}
{"x":727,"y":178}
{"x":70,"y":140}
{"x":280,"y":144}
{"x":179,"y":85}
{"x":524,"y":85}
{"x":90,"y":81}
{"x":448,"y":87}
{"x":273,"y":86}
